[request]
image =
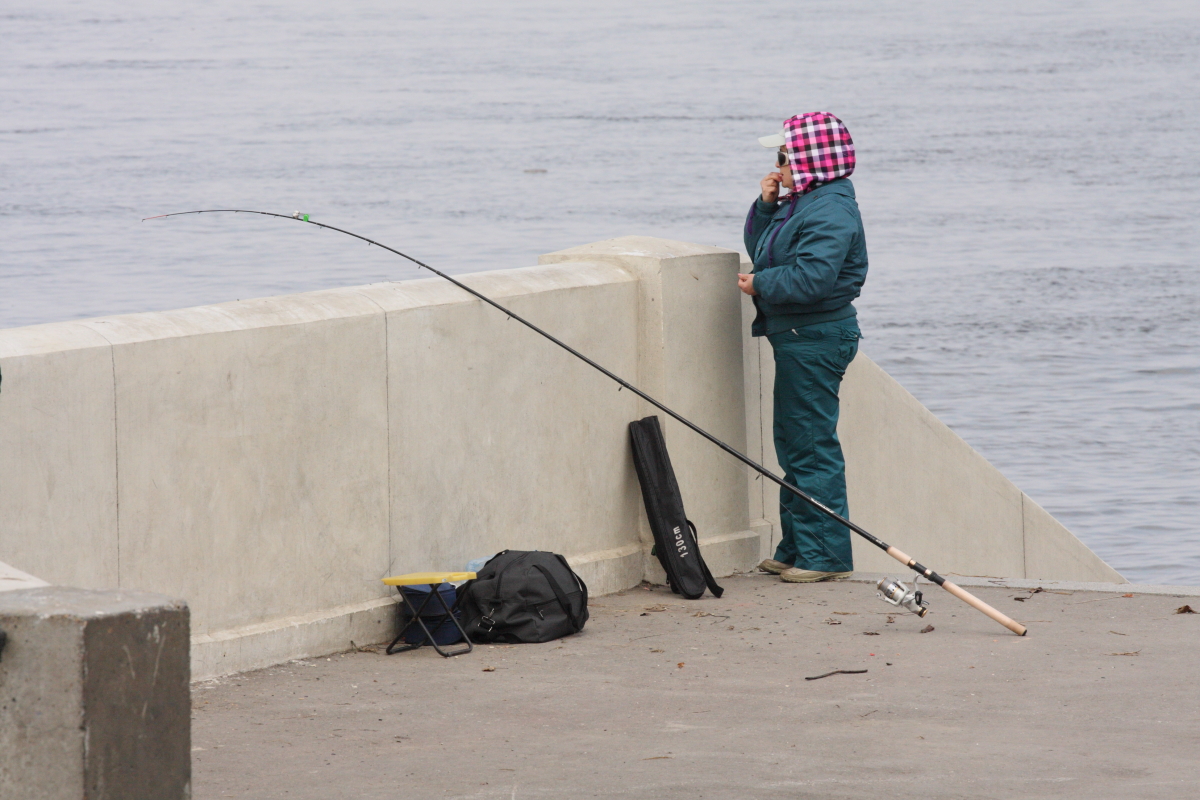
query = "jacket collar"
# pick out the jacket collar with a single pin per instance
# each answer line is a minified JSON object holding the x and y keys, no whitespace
{"x":841,"y":186}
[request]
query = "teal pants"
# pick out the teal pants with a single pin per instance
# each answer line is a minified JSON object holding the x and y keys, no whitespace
{"x":809,"y":365}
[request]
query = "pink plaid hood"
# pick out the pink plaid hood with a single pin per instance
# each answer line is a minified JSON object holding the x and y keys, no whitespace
{"x":819,"y":150}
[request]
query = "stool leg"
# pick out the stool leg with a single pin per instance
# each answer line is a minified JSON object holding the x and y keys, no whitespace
{"x":449,"y":614}
{"x":416,"y":617}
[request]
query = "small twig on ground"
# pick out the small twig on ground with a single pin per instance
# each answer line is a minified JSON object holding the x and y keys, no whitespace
{"x":837,"y":672}
{"x":1098,"y":599}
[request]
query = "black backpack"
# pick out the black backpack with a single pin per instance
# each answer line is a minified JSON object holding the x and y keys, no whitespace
{"x":674,"y":534}
{"x":523,"y":596}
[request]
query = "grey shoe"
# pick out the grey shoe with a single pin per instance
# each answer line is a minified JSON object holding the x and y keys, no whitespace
{"x":797,"y":575}
{"x":774,"y":567}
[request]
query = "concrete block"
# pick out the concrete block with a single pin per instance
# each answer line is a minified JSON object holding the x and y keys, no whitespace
{"x":917,"y":485}
{"x":1052,"y":552}
{"x":768,"y":537}
{"x":689,"y":358}
{"x":94,"y":696}
{"x":753,"y":399}
{"x":58,"y":468}
{"x":731,"y":553}
{"x":499,"y":438}
{"x":610,"y":571}
{"x":768,"y":490}
{"x":252,"y":442}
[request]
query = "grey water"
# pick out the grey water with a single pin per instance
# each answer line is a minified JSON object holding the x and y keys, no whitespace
{"x":1029,"y":176}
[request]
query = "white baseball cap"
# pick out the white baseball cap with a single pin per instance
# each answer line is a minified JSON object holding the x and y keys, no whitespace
{"x":774,"y":140}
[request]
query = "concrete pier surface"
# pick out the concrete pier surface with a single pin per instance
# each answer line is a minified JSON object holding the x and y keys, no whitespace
{"x":662,"y":697}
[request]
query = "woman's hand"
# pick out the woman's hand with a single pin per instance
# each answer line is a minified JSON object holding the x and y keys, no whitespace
{"x":770,"y":187}
{"x":746,"y":284}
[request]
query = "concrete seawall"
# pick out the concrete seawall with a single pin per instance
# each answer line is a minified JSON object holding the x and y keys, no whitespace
{"x":270,"y":460}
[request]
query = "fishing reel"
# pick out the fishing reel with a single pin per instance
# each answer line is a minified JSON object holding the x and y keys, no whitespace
{"x":897,"y":593}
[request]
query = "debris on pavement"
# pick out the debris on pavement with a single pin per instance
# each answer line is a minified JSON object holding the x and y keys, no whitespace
{"x":1185,"y":610}
{"x":927,"y":629}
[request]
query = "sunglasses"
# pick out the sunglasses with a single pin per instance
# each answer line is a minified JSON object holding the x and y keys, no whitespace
{"x":781,"y":158}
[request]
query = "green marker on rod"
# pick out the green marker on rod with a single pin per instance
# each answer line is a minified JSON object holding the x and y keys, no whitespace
{"x":298,"y":215}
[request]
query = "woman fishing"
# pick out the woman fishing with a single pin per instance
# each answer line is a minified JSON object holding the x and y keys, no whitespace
{"x":810,"y":262}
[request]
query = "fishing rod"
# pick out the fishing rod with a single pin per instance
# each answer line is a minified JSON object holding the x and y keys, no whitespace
{"x":893,"y":592}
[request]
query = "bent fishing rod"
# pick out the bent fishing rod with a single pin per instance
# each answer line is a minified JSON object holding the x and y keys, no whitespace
{"x":894,"y":552}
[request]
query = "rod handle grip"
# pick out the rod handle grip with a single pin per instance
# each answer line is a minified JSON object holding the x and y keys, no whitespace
{"x":979,"y":605}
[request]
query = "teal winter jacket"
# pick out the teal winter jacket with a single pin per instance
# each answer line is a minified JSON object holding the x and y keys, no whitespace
{"x":810,"y":258}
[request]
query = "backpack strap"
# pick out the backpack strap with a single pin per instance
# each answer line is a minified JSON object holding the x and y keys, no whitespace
{"x":708,"y":578}
{"x":578,"y":580}
{"x":576,"y":623}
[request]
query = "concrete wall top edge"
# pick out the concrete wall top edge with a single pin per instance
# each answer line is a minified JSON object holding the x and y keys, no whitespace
{"x":636,"y":246}
{"x":238,"y":315}
{"x":48,"y":601}
{"x":36,"y":340}
{"x":298,"y":309}
{"x":424,"y":292}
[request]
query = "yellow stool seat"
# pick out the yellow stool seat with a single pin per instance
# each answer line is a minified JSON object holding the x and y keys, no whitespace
{"x":420,"y":578}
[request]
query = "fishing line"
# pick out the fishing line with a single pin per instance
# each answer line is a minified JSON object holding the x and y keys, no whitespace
{"x":900,"y":556}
